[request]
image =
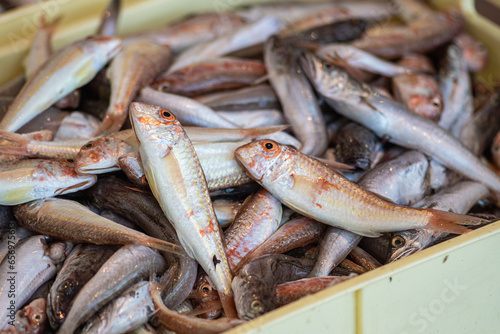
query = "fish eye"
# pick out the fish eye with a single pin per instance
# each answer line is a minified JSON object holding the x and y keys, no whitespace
{"x":206,"y":288}
{"x":167,"y":115}
{"x":436,"y":103}
{"x":398,"y":241}
{"x":70,"y":160}
{"x":269,"y":146}
{"x":36,"y":317}
{"x":327,"y":66}
{"x":88,"y":146}
{"x":257,"y":306}
{"x":165,"y":87}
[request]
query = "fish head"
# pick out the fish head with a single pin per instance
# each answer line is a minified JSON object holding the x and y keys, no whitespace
{"x":252,"y":297}
{"x":427,"y":106}
{"x":99,"y":156}
{"x":33,"y":317}
{"x":60,"y":300}
{"x":206,"y":297}
{"x":258,"y":157}
{"x":328,"y":79}
{"x":405,"y":243}
{"x":154,"y":123}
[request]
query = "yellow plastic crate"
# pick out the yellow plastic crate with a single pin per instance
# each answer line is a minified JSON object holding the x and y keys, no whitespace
{"x":449,"y":288}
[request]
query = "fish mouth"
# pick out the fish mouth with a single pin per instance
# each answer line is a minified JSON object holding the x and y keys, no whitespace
{"x":401,"y":253}
{"x":79,"y":186}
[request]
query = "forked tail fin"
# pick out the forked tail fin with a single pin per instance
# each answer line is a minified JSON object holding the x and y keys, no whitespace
{"x":451,"y":222}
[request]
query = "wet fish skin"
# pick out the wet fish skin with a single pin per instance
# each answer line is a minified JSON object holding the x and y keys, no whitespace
{"x":77,"y":125}
{"x":210,"y":75}
{"x":40,"y":179}
{"x":300,"y":107}
{"x":255,"y":284}
{"x":254,"y":97}
{"x":167,"y":151}
{"x":197,"y":29}
{"x":356,"y":146}
{"x":35,"y":263}
{"x":254,"y":118}
{"x":68,"y":69}
{"x":125,"y":267}
{"x":109,"y":20}
{"x":142,"y":208}
{"x":257,"y":219}
{"x":334,"y":246}
{"x":14,"y":234}
{"x":80,"y":266}
{"x":314,"y":190}
{"x":386,"y":117}
{"x":475,"y":53}
{"x":51,"y":216}
{"x":335,"y":32}
{"x":123,"y":314}
{"x":133,"y":68}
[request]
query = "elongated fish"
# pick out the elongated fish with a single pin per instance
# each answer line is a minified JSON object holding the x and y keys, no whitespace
{"x":177,"y":181}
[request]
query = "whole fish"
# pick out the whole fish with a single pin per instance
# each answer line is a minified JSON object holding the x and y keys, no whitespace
{"x":51,"y":217}
{"x":27,"y":180}
{"x":254,"y":286}
{"x":30,"y":264}
{"x":177,"y":181}
{"x":243,"y":37}
{"x":419,"y":91}
{"x":210,"y":75}
{"x":257,"y":219}
{"x":66,"y":70}
{"x":356,"y":146}
{"x":133,"y":68}
{"x":188,"y":111}
{"x":254,"y":97}
{"x":419,"y":36}
{"x":127,"y":266}
{"x":194,"y":30}
{"x":80,"y":266}
{"x":314,"y":190}
{"x":294,"y":233}
{"x":31,"y":319}
{"x":143,"y":209}
{"x":123,"y":314}
{"x":386,"y":117}
{"x":300,"y":107}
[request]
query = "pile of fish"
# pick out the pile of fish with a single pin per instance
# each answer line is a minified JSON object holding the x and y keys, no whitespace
{"x":191,"y":178}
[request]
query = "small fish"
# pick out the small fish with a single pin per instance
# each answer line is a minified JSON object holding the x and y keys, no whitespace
{"x":130,"y":264}
{"x":80,"y":266}
{"x":177,"y":181}
{"x":314,"y":190}
{"x":133,"y":68}
{"x":243,"y":37}
{"x":209,"y":76}
{"x":36,"y":263}
{"x":27,"y":180}
{"x":125,"y":313}
{"x":66,"y":70}
{"x":300,"y":106}
{"x":51,"y":216}
{"x":419,"y":91}
{"x":258,"y":218}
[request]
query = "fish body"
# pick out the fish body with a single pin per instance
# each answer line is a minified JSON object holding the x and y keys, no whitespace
{"x":177,"y":181}
{"x":67,"y":69}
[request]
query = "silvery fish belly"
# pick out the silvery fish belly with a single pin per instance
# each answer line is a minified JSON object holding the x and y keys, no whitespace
{"x":27,"y":180}
{"x":177,"y":181}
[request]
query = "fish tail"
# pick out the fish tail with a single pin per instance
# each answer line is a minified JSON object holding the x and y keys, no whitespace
{"x":13,"y":143}
{"x":164,"y":246}
{"x":451,"y":222}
